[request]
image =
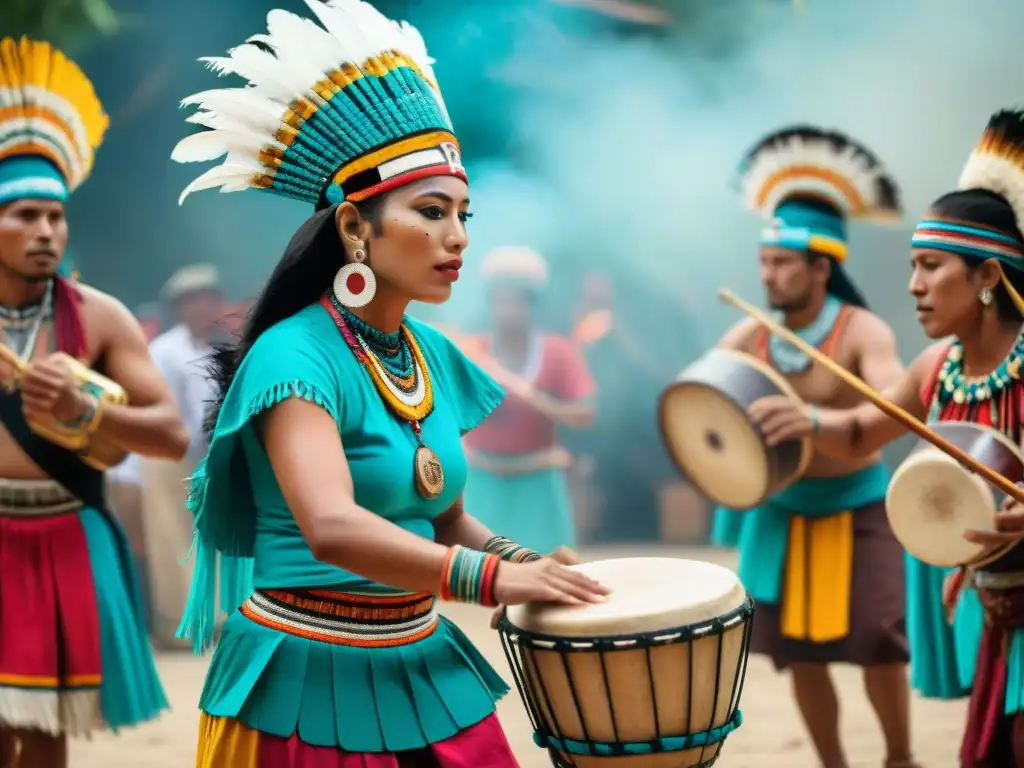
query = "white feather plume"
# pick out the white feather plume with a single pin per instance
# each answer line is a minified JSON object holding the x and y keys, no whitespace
{"x":986,"y":170}
{"x":763,"y":190}
{"x":209,"y":145}
{"x":237,"y":175}
{"x":243,"y":105}
{"x":280,"y":66}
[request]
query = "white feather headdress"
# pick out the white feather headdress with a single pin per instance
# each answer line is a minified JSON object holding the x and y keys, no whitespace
{"x":997,"y":163}
{"x":804,"y":161}
{"x":343,"y":111}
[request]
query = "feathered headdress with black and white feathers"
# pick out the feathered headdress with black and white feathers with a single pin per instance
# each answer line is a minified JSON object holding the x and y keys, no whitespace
{"x":48,"y":109}
{"x":997,"y":162}
{"x":805,"y":161}
{"x":341,"y":111}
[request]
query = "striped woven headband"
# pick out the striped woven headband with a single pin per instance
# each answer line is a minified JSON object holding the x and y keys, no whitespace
{"x":411,"y":159}
{"x":970,"y":241}
{"x":804,"y":239}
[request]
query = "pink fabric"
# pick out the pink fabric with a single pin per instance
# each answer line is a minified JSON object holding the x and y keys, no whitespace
{"x":480,"y":746}
{"x":515,"y":427}
{"x":67,"y":318}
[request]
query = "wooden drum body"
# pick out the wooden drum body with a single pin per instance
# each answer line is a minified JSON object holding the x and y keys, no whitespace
{"x":705,"y":427}
{"x":933,"y":499}
{"x":651,"y":678}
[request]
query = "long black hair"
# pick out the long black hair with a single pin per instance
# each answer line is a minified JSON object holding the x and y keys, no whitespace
{"x":310,"y":261}
{"x":992,"y":211}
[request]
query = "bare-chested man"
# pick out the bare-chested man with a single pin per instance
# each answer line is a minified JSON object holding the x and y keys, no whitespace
{"x":819,"y":558}
{"x":74,"y":653}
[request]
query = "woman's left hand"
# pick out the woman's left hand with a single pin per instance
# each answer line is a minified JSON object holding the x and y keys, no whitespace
{"x":563,"y":555}
{"x":1009,"y":525}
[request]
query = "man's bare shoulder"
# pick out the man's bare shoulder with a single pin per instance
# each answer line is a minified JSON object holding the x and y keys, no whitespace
{"x":107,"y":318}
{"x":99,"y":301}
{"x":868,"y":327}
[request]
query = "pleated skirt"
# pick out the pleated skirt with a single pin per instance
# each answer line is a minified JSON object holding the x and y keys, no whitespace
{"x":323,"y":678}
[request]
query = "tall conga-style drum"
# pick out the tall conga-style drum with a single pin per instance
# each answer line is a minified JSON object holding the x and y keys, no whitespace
{"x":933,"y":499}
{"x":650,"y":678}
{"x":712,"y":441}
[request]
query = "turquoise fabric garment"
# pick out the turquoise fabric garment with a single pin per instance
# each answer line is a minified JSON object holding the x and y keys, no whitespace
{"x":727,"y":527}
{"x":543,"y":519}
{"x":130,"y":692}
{"x":765,"y":534}
{"x":355,"y":698}
{"x":941,"y":656}
{"x":1014,"y":702}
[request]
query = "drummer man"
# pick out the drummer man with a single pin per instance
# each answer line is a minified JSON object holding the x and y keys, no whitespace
{"x":819,"y":558}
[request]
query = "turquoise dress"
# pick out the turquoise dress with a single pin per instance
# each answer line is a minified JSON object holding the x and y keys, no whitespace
{"x":357,"y":699}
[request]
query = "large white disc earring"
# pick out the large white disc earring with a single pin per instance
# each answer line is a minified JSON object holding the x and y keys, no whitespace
{"x":355,"y":283}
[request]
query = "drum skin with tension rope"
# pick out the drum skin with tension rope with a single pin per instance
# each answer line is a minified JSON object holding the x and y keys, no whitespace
{"x":712,"y":441}
{"x":933,"y":499}
{"x":650,"y":678}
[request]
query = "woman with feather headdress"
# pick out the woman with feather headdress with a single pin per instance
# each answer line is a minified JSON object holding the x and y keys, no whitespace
{"x":967,"y":257}
{"x":330,"y":499}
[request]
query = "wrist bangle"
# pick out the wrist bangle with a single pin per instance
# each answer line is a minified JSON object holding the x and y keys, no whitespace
{"x":467,"y":576}
{"x":506,"y":549}
{"x":815,"y":417}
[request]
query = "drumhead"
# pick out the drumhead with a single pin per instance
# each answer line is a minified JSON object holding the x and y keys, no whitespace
{"x":715,"y":445}
{"x":713,"y":442}
{"x":648,"y":594}
{"x":932,"y":499}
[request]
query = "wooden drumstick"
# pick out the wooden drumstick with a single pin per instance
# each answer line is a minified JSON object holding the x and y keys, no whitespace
{"x":890,"y":409}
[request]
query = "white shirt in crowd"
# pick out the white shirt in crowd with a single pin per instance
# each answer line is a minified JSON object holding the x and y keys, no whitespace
{"x":183,"y":361}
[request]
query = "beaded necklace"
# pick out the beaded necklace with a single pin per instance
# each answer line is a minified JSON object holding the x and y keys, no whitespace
{"x":790,"y":360}
{"x":953,"y":385}
{"x":21,"y":326}
{"x":399,"y":371}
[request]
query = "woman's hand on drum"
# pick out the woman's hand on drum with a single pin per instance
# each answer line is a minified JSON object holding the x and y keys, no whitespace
{"x":782,"y":418}
{"x":547,"y":580}
{"x":1009,"y":525}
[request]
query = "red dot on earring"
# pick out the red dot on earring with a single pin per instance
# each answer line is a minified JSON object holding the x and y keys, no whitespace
{"x":355,"y":283}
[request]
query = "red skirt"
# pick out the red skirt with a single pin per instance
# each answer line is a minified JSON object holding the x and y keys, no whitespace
{"x":228,"y":743}
{"x":50,"y":657}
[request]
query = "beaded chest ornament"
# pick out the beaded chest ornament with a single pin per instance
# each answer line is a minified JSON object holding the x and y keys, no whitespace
{"x":954,"y":385}
{"x":399,"y":372}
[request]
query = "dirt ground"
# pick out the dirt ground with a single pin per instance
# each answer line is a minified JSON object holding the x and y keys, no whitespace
{"x":771,"y":736}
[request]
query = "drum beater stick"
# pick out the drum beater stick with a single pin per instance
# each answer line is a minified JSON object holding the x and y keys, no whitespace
{"x":890,"y":409}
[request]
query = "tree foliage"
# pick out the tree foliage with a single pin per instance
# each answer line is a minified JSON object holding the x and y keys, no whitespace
{"x":71,"y":25}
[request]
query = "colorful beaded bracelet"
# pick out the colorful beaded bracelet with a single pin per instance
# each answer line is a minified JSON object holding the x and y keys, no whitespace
{"x":507,"y":549}
{"x":467,"y":576}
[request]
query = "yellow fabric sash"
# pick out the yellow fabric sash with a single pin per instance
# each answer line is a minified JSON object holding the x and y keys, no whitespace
{"x":226,"y":743}
{"x":818,"y":578}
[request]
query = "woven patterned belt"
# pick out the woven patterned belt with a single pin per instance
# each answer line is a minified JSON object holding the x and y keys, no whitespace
{"x":341,"y":618}
{"x":35,"y":498}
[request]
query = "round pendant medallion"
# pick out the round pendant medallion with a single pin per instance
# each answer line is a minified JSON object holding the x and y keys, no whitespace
{"x":428,"y":472}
